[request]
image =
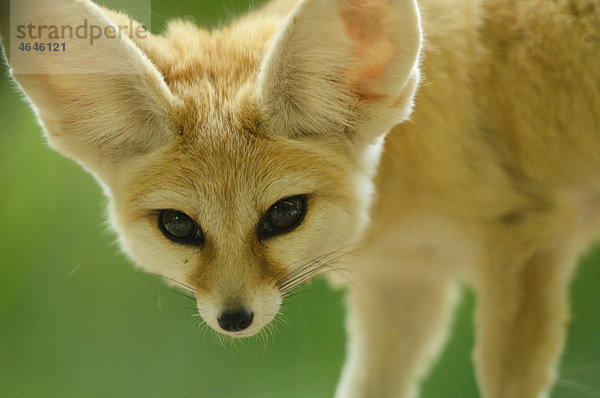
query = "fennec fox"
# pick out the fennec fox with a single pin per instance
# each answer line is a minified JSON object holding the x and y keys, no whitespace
{"x":244,"y":161}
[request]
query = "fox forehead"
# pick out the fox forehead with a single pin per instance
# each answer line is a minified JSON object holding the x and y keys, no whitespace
{"x":228,"y":178}
{"x":205,"y":68}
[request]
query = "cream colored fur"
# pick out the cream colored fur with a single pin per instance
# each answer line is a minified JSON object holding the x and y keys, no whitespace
{"x":494,"y":179}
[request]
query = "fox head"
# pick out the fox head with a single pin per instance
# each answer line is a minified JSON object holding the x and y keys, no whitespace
{"x":237,"y":163}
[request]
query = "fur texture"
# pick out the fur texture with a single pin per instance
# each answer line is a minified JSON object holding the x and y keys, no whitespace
{"x":495,"y":179}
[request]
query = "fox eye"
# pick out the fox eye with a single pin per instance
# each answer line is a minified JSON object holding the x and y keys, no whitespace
{"x":180,"y":228}
{"x":283,"y":216}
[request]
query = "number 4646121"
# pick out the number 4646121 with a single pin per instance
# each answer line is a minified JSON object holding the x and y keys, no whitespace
{"x":42,"y":47}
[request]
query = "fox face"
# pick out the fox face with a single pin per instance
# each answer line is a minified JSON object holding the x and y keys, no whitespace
{"x":241,"y":219}
{"x":237,"y":163}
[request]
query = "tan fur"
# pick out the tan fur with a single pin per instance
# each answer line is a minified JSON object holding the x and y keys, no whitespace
{"x":494,"y":179}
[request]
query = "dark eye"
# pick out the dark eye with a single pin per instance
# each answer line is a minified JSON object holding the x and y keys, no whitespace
{"x":283,"y":216}
{"x":180,"y":228}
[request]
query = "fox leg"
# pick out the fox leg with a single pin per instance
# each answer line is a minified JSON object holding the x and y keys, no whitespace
{"x":395,"y":329}
{"x":521,"y":317}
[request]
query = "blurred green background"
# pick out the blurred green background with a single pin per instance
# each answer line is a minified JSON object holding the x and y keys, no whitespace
{"x":77,"y":320}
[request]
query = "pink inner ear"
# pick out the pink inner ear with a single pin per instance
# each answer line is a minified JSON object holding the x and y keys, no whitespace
{"x":363,"y":20}
{"x":367,"y":22}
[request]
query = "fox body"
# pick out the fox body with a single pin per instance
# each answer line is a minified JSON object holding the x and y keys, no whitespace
{"x":443,"y":141}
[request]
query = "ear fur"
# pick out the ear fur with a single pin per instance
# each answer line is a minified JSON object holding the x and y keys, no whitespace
{"x":98,"y":103}
{"x":342,"y":66}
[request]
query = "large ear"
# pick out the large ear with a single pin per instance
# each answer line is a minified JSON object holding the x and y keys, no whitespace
{"x":99,"y":98}
{"x":342,"y":66}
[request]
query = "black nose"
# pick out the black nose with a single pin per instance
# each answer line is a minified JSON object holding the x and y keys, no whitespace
{"x":234,"y":321}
